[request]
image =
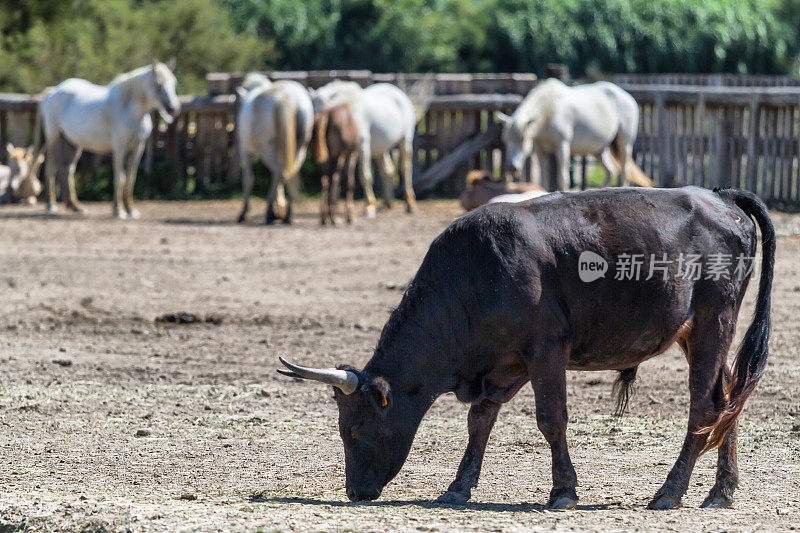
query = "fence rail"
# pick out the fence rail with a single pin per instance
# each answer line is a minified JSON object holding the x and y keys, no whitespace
{"x":746,"y":137}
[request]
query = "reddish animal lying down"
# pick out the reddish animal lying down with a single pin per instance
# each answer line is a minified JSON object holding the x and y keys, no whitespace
{"x":481,"y":188}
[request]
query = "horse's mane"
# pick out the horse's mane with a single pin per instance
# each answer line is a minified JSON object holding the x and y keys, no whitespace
{"x":124,"y":83}
{"x":541,"y":101}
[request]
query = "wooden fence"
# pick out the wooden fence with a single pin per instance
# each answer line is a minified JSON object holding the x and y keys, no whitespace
{"x":714,"y":80}
{"x":745,"y":137}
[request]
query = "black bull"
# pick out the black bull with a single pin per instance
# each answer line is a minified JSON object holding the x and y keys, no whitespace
{"x":498,"y":301}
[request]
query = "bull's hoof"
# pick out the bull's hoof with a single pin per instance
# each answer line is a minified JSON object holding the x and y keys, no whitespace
{"x":561,"y":503}
{"x":661,"y":503}
{"x":453,"y":498}
{"x":717,"y":502}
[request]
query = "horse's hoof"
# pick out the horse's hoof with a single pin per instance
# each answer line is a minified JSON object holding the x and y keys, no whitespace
{"x":120,"y":215}
{"x":134,"y":213}
{"x":242,"y":219}
{"x":561,"y":503}
{"x":661,"y":503}
{"x":370,"y":213}
{"x":717,"y":502}
{"x":386,"y":206}
{"x":78,"y":208}
{"x":453,"y":498}
{"x":412,"y":208}
{"x":52,"y":209}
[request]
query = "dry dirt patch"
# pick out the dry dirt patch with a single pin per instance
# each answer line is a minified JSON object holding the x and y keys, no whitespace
{"x":111,"y":420}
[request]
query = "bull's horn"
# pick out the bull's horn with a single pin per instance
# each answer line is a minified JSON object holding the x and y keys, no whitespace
{"x":344,"y":380}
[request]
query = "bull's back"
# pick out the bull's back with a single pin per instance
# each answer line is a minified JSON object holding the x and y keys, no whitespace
{"x":617,"y":319}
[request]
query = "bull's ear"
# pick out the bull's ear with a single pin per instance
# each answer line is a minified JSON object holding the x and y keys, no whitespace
{"x":381,"y":393}
{"x":502,"y":118}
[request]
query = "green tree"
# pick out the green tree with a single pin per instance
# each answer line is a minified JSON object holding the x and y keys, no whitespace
{"x":43,"y":42}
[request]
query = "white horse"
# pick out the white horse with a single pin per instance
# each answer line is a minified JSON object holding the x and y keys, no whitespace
{"x":78,"y":115}
{"x":598,"y":119}
{"x":273,"y":122}
{"x":386,"y":119}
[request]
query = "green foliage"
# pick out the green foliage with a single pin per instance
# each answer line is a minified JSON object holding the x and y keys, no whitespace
{"x":524,"y":35}
{"x":45,"y":41}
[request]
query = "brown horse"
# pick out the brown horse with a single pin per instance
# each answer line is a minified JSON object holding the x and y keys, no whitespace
{"x":334,"y":145}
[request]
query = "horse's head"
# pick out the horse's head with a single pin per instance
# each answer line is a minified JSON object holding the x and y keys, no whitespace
{"x":518,"y":141}
{"x":162,"y":91}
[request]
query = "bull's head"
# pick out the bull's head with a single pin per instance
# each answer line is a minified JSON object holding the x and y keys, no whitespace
{"x":377,"y":427}
{"x":518,"y":141}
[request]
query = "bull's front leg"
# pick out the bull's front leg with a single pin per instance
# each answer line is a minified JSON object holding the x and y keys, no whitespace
{"x":481,"y":419}
{"x":548,"y":375}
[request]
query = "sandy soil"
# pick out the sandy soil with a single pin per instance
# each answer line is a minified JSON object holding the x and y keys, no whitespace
{"x":224,"y":443}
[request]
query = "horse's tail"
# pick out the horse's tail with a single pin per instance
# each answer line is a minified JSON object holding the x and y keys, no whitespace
{"x":635,"y":174}
{"x":752,"y":357}
{"x":421,"y":95}
{"x":38,"y":125}
{"x":286,"y":122}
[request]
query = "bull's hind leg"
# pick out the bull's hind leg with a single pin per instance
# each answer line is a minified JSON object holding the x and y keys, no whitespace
{"x":721,"y":494}
{"x":706,"y":349}
{"x":480,"y":422}
{"x":547,"y":371}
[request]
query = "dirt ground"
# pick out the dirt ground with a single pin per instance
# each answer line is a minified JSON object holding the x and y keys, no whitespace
{"x":112,"y":421}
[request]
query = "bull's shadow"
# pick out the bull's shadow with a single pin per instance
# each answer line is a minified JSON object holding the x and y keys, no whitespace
{"x":427,"y":504}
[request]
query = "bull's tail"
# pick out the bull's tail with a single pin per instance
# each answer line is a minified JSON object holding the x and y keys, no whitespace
{"x":635,"y":174}
{"x":752,"y":356}
{"x":286,"y":122}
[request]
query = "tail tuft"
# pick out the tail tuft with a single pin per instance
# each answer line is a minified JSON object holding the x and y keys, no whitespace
{"x":624,"y":389}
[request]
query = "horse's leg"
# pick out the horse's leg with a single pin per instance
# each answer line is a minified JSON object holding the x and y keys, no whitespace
{"x":336,"y":180}
{"x":547,"y":370}
{"x":609,"y":165}
{"x":386,"y":170}
{"x":275,"y":194}
{"x":365,"y":174}
{"x":72,"y":196}
{"x":118,"y":160}
{"x":707,"y":348}
{"x":407,"y":168}
{"x":349,"y":206}
{"x":247,"y":181}
{"x":134,"y":157}
{"x":480,"y":421}
{"x":721,"y":494}
{"x":51,"y":170}
{"x":625,"y":151}
{"x":562,"y":161}
{"x":324,"y":202}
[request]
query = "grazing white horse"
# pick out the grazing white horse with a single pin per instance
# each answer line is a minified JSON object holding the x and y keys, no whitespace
{"x":78,"y":115}
{"x":274,"y":122}
{"x":386,"y":119}
{"x":598,"y":119}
